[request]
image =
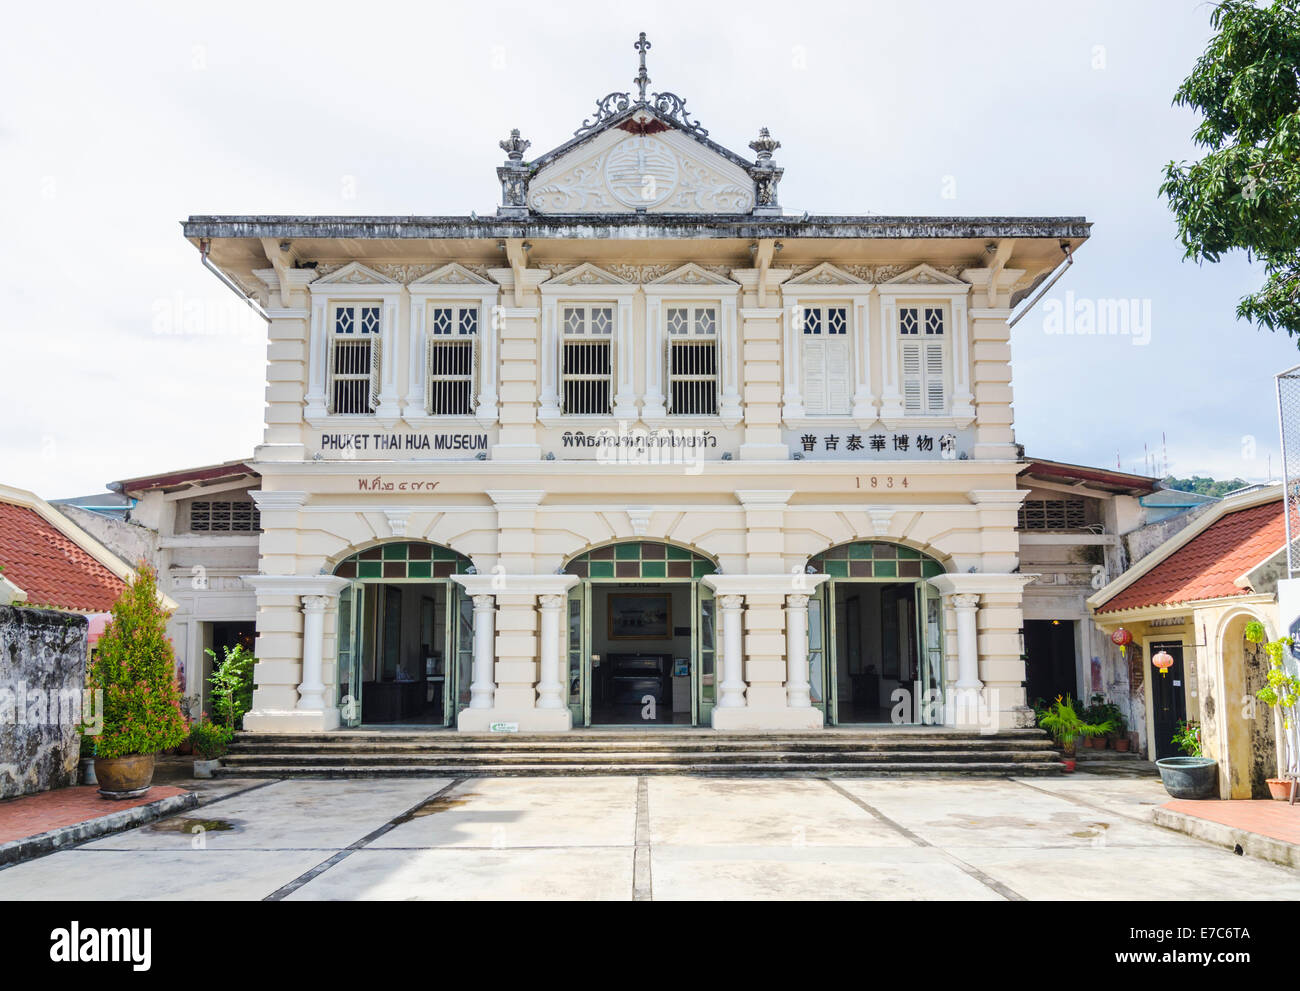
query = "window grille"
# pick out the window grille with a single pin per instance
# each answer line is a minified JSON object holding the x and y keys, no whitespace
{"x":692,"y":360}
{"x":826,"y":365}
{"x":354,"y":360}
{"x":452,"y":360}
{"x":587,"y":359}
{"x":224,"y":517}
{"x":1053,"y":514}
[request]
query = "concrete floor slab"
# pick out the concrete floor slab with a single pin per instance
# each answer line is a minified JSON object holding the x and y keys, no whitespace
{"x":145,"y":875}
{"x":295,"y":814}
{"x":474,"y":875}
{"x":760,"y":812}
{"x":498,"y":813}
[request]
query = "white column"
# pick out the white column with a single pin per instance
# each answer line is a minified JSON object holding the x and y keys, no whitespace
{"x":490,"y":318}
{"x":729,"y":364}
{"x":792,"y":394}
{"x":415,"y":404}
{"x":550,"y":356}
{"x":653,"y":406}
{"x":969,"y":687}
{"x":549,"y":689}
{"x":317,"y":358}
{"x":389,"y":333}
{"x":797,"y":692}
{"x":311,"y":693}
{"x":483,"y":688}
{"x":624,"y":407}
{"x":864,"y":405}
{"x":732,"y":695}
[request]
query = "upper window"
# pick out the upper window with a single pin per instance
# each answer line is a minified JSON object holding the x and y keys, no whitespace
{"x":692,"y":360}
{"x":924,"y":372}
{"x":825,"y":366}
{"x":354,"y":358}
{"x":451,"y":360}
{"x":587,"y":358}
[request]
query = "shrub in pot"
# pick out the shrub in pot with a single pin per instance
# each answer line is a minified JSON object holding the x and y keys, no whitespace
{"x":1065,"y":724}
{"x":1282,"y":692}
{"x":209,"y":742}
{"x":135,"y":670}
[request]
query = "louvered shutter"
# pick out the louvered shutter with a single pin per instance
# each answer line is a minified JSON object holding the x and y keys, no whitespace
{"x":815,"y":380}
{"x":912,"y":377}
{"x":934,"y":398}
{"x":838,"y":371}
{"x":374,"y":371}
{"x":331,"y":365}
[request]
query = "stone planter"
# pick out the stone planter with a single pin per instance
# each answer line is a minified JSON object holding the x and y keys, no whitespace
{"x":1189,"y":777}
{"x":205,"y":768}
{"x":124,"y":777}
{"x":86,"y":771}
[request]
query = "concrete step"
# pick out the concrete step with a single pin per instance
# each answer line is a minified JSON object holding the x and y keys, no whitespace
{"x":642,"y":757}
{"x":765,"y":768}
{"x":651,"y":746}
{"x":661,"y":735}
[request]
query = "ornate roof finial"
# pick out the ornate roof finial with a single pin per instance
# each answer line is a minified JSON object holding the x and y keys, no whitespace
{"x":764,"y":144}
{"x":642,"y":80}
{"x":515,"y":146}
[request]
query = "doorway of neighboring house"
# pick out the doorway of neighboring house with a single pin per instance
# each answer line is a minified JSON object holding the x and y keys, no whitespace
{"x":1168,"y":698}
{"x":220,"y":637}
{"x":640,"y":637}
{"x":405,"y":636}
{"x":1050,"y":662}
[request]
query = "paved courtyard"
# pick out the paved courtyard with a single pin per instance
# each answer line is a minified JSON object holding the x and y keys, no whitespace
{"x":1081,"y":836}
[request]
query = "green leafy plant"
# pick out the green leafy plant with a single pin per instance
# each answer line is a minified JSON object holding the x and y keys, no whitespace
{"x":232,"y":685}
{"x":1100,"y":711}
{"x":135,"y":668}
{"x":1243,"y":193}
{"x":1281,"y":691}
{"x":209,"y":739}
{"x":1187,"y":737}
{"x":1063,"y":721}
{"x":1255,"y":631}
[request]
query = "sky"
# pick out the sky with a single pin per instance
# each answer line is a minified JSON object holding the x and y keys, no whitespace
{"x":122,"y":356}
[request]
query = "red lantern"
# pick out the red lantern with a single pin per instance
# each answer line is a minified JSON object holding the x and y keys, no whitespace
{"x":1164,"y":662}
{"x":1121,"y":638}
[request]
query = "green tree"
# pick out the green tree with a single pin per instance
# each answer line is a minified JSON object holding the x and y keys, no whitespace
{"x":232,"y":685}
{"x":135,"y":668}
{"x":1202,"y":485}
{"x":1245,"y":193}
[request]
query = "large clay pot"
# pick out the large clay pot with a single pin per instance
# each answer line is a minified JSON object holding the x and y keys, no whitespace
{"x":1189,"y":777}
{"x":124,"y":777}
{"x":1280,"y":789}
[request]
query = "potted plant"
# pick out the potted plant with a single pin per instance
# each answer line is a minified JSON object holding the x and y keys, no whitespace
{"x":135,"y":670}
{"x":86,"y":762}
{"x":209,"y":742}
{"x":1282,"y":693}
{"x":1062,"y":720}
{"x":1192,"y":775}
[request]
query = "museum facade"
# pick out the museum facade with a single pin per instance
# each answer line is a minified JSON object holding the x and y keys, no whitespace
{"x":642,"y":447}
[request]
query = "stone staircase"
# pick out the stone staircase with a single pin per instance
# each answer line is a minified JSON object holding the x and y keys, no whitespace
{"x":855,"y":752}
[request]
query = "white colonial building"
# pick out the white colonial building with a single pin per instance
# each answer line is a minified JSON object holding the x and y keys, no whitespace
{"x":642,"y":447}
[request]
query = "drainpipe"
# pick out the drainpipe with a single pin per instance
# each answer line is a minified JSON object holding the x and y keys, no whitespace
{"x":1061,"y":269}
{"x":254,"y":305}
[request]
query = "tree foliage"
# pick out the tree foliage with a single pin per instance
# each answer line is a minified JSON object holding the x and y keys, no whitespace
{"x":135,"y":668}
{"x":1203,"y":485}
{"x":1245,"y":193}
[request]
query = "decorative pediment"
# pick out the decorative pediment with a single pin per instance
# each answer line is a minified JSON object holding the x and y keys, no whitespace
{"x":452,"y":274}
{"x":926,"y":275}
{"x":825,"y":274}
{"x":586,"y":274}
{"x":691,"y":274}
{"x":640,"y":153}
{"x":354,"y":274}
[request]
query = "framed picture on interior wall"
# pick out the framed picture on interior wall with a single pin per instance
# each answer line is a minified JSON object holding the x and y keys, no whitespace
{"x":640,"y":616}
{"x":889,"y":666}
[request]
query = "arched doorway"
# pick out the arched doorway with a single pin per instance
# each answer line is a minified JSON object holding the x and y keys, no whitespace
{"x":405,"y":635}
{"x":640,"y":636}
{"x":1251,"y":744}
{"x":875,"y":635}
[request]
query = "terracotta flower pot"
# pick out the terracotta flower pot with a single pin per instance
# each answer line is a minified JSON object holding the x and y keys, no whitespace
{"x":1280,"y":789}
{"x":1121,"y":744}
{"x":124,"y":777}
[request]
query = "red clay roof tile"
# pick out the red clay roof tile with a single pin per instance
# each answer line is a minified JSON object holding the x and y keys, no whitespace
{"x":1205,"y":567}
{"x":51,"y":568}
